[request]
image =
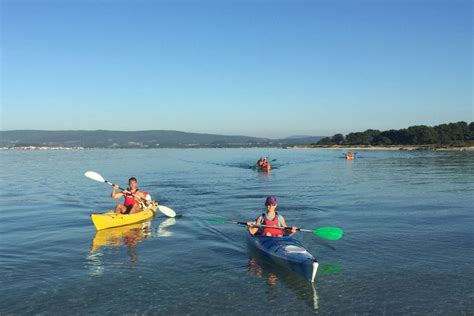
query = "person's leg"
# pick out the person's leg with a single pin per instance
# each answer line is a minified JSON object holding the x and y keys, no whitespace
{"x":119,"y":208}
{"x":135,"y":209}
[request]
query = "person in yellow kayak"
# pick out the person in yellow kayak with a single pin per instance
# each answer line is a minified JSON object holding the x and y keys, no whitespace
{"x":132,"y":197}
{"x":270,"y":218}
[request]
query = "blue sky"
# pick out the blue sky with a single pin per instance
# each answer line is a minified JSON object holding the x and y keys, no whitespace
{"x":259,"y":68}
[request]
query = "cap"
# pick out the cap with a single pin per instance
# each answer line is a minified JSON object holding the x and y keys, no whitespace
{"x":271,"y":200}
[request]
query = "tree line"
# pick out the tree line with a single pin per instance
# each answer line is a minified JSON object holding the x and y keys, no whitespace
{"x":452,"y":134}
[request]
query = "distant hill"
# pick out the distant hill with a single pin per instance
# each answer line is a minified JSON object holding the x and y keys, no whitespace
{"x":139,"y":139}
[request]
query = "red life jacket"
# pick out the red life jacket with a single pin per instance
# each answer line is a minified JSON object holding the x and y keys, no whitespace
{"x":266,"y":166}
{"x":274,"y":222}
{"x":129,"y":199}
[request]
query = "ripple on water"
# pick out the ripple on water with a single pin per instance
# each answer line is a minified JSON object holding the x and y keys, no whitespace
{"x":406,"y":249}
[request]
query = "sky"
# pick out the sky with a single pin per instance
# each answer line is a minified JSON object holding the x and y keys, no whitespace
{"x":258,"y":68}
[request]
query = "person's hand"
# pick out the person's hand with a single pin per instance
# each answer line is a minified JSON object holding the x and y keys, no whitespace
{"x":116,"y":187}
{"x":294,"y":229}
{"x":249,"y":224}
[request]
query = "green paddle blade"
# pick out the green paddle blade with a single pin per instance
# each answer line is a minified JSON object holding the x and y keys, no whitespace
{"x":217,"y":220}
{"x":330,"y":233}
{"x":329,"y":268}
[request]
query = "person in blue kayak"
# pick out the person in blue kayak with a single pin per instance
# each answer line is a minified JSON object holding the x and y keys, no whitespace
{"x":270,"y":218}
{"x":132,"y":197}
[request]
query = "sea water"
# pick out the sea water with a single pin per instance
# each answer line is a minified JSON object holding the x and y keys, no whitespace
{"x":408,"y":246}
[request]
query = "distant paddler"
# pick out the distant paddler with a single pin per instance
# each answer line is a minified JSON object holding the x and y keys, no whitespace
{"x":263,"y":164}
{"x":350,"y":156}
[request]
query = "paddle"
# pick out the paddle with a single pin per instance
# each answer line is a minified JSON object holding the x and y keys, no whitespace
{"x":97,"y":177}
{"x":330,"y":233}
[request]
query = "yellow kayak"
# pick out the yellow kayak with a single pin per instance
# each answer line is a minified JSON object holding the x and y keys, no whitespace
{"x":110,"y":219}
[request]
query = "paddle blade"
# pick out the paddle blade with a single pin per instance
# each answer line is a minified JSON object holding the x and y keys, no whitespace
{"x":217,"y":220}
{"x":94,"y":176}
{"x":330,"y":233}
{"x":166,"y":210}
{"x":329,"y":268}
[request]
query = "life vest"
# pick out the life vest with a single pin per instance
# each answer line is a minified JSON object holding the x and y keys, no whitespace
{"x":275,"y":222}
{"x":129,"y":199}
{"x":265,"y":166}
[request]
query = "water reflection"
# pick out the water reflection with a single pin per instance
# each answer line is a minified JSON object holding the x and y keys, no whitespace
{"x":254,"y":268}
{"x":129,"y":236}
{"x":163,"y":228}
{"x":304,"y":290}
{"x":126,"y":236}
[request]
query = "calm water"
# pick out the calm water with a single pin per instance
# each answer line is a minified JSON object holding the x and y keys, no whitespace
{"x":408,"y":219}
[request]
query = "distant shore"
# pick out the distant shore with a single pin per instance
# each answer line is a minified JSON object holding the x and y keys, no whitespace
{"x":41,"y":148}
{"x":299,"y":147}
{"x":398,"y":147}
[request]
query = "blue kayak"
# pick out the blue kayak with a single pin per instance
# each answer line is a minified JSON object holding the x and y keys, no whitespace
{"x":287,"y":252}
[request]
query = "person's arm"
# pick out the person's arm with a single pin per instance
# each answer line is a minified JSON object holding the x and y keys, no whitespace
{"x":254,"y":230}
{"x":140,"y":197}
{"x":114,"y":193}
{"x":293,"y":228}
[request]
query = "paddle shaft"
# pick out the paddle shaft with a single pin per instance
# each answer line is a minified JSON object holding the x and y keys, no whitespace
{"x":315,"y":232}
{"x":275,"y":227}
{"x":143,"y":201}
{"x":330,"y":233}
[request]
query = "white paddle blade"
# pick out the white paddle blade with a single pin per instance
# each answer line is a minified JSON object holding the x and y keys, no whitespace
{"x":94,"y":176}
{"x":167,"y":211}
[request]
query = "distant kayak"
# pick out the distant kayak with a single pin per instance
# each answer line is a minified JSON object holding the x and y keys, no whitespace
{"x":350,"y":156}
{"x":265,"y":168}
{"x":111,"y":219}
{"x":287,"y":252}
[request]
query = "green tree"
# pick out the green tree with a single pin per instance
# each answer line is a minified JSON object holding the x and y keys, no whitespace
{"x":338,"y":139}
{"x":354,"y":138}
{"x":325,"y":141}
{"x":422,"y":135}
